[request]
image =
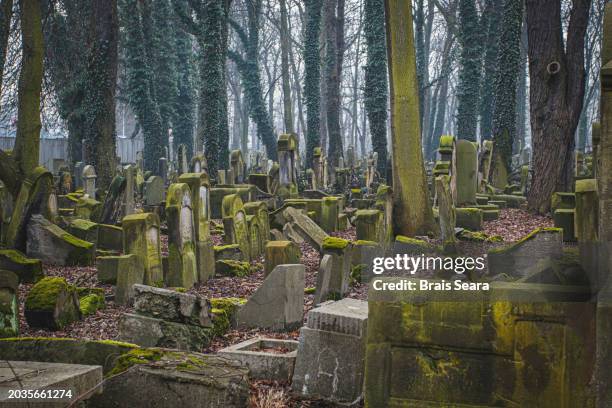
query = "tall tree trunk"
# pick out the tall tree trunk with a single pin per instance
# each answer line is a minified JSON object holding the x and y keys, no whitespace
{"x":491,"y":17}
{"x":468,"y":88}
{"x":333,"y":77}
{"x":6,"y":15}
{"x":508,"y":66}
{"x":27,"y":142}
{"x":312,"y":76}
{"x":285,"y":45}
{"x":183,"y":123}
{"x":412,"y":214}
{"x":521,"y":96}
{"x":556,"y":73}
{"x":101,"y":85}
{"x":376,"y":86}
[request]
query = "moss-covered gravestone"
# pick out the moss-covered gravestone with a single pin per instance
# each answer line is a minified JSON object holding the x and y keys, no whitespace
{"x":464,"y":177}
{"x":182,"y":263}
{"x":485,"y":157}
{"x":129,"y":271}
{"x":52,"y":245}
{"x":154,"y":190}
{"x":198,"y":163}
{"x":238,"y":167}
{"x":9,"y":304}
{"x":52,"y":304}
{"x":235,"y":224}
{"x":141,"y":237}
{"x":369,"y":225}
{"x":89,"y":181}
{"x":260,"y":209}
{"x":84,"y":229}
{"x":280,"y":252}
{"x":28,"y":270}
{"x":564,"y":219}
{"x":329,"y":213}
{"x":110,"y":237}
{"x":33,"y":198}
{"x":334,"y":283}
{"x":469,"y":218}
{"x":88,"y":209}
{"x":199,"y":186}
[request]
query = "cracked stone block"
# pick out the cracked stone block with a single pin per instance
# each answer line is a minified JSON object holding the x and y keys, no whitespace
{"x":267,"y":359}
{"x":151,"y":332}
{"x":171,"y":305}
{"x":331,"y":353}
{"x":278,"y":304}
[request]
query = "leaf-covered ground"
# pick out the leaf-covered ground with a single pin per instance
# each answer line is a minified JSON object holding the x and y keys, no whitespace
{"x":511,"y":226}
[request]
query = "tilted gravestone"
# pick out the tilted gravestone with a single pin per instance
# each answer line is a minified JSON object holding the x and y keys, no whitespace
{"x":182,"y":263}
{"x":278,"y":304}
{"x":238,"y":167}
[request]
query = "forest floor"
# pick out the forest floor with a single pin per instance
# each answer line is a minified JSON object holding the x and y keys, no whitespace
{"x":511,"y":225}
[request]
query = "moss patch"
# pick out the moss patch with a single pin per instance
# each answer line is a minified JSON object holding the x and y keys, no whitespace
{"x":134,"y":357}
{"x":90,"y":304}
{"x":332,"y":243}
{"x":229,"y":267}
{"x":43,"y":295}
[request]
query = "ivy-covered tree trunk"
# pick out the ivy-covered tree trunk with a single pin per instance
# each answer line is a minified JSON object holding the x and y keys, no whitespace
{"x":557,"y":77}
{"x":249,"y":72}
{"x":376,"y":86}
{"x":27,"y":142}
{"x":184,"y":110}
{"x":491,"y":18}
{"x":164,"y":61}
{"x":468,"y":88}
{"x":99,"y":136}
{"x":508,"y":66}
{"x":412,"y":214}
{"x":312,"y":76}
{"x":140,"y":88}
{"x":334,"y":39}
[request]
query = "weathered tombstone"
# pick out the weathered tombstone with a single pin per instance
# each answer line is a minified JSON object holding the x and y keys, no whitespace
{"x":51,"y":244}
{"x":369,"y":225}
{"x":198,"y":163}
{"x":586,"y":225}
{"x":89,"y":181}
{"x":183,"y":161}
{"x":334,"y":284}
{"x":130,"y":181}
{"x":222,"y":177}
{"x":112,"y":209}
{"x":305,"y":227}
{"x":237,"y":166}
{"x":129,"y":271}
{"x":64,"y":183}
{"x":199,"y":185}
{"x":464,"y":181}
{"x":278,"y":304}
{"x":182,"y":263}
{"x":484,"y":164}
{"x":287,"y":146}
{"x":154,"y":191}
{"x":141,"y":237}
{"x":446,"y":212}
{"x":329,"y":213}
{"x":78,"y":175}
{"x":279,"y":253}
{"x":9,"y":304}
{"x":331,"y":353}
{"x":162,"y":168}
{"x":235,"y":224}
{"x":317,"y":168}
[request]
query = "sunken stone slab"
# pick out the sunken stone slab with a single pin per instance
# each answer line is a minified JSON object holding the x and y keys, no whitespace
{"x":278,"y":304}
{"x":171,"y":305}
{"x":263,"y":363}
{"x":331,"y":353}
{"x":150,"y":332}
{"x":32,"y":375}
{"x":177,"y":379}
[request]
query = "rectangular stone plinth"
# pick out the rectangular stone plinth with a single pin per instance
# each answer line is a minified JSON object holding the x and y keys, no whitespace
{"x":75,"y":380}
